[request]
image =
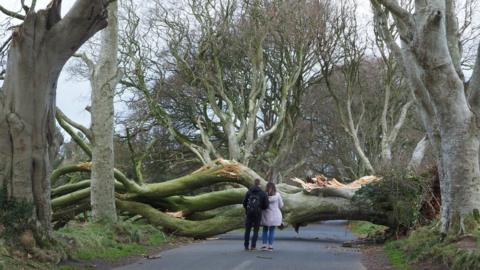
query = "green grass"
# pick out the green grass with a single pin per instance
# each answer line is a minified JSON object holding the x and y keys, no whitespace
{"x":396,"y":256}
{"x":426,"y":245}
{"x":8,"y":263}
{"x":94,"y":241}
{"x":88,"y":241}
{"x":364,"y":228}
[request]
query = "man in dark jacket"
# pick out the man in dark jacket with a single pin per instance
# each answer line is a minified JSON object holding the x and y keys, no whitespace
{"x":254,"y":202}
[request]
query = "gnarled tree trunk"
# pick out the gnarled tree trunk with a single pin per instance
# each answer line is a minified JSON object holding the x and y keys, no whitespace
{"x":40,"y":47}
{"x":430,"y":55}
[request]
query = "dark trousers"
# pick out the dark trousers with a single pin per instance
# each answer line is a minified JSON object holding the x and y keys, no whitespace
{"x":251,"y":222}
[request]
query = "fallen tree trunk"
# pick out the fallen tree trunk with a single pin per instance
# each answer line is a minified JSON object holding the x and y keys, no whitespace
{"x":180,"y":206}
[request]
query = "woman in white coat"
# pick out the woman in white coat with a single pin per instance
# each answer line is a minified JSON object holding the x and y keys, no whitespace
{"x":271,"y":217}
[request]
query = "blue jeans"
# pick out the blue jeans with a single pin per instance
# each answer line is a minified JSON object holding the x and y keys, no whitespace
{"x":268,"y":234}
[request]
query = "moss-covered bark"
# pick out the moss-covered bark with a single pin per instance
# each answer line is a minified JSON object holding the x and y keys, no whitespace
{"x":228,"y":221}
{"x":203,"y":202}
{"x":174,"y":206}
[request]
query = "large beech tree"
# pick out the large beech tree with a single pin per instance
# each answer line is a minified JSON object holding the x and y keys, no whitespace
{"x":242,"y":67}
{"x":39,"y":49}
{"x":430,"y":52}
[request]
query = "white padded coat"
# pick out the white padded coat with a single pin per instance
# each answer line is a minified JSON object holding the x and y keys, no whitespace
{"x":272,"y":216}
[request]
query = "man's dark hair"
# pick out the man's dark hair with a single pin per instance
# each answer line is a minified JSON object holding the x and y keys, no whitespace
{"x":257,"y":182}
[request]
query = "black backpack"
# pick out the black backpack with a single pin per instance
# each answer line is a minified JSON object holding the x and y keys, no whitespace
{"x":253,"y":204}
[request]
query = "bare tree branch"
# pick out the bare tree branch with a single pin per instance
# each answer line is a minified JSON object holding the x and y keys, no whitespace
{"x":418,"y":89}
{"x":87,"y":17}
{"x":285,"y":89}
{"x":454,"y":45}
{"x":12,"y":14}
{"x":90,"y":64}
{"x":400,"y":121}
{"x":33,"y":5}
{"x":25,"y":7}
{"x":63,"y":123}
{"x":137,"y":162}
{"x":205,"y":140}
{"x":418,"y":154}
{"x":86,"y":131}
{"x":395,"y":9}
{"x":474,"y":85}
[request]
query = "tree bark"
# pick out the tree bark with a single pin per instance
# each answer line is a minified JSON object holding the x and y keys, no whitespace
{"x":418,"y":154}
{"x":430,"y":57}
{"x":390,"y":136}
{"x":39,"y":48}
{"x":459,"y":143}
{"x":105,"y":76}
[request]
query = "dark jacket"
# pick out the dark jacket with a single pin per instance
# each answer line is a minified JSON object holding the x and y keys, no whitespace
{"x":263,"y":197}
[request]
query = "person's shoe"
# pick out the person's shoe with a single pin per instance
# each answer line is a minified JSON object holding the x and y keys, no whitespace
{"x":246,"y":249}
{"x":253,"y":248}
{"x":264,"y":248}
{"x":270,"y":248}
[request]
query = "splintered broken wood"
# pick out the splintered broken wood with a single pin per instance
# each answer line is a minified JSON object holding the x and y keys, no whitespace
{"x":321,"y":181}
{"x":178,"y":214}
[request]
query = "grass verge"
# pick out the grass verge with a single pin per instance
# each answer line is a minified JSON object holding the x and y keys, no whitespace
{"x":365,"y":228}
{"x":91,"y":241}
{"x":396,"y":256}
{"x":426,"y":248}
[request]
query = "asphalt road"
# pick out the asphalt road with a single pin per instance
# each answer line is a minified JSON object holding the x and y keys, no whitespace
{"x":317,"y":246}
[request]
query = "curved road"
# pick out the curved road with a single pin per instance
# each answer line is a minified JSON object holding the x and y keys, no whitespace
{"x":317,"y":246}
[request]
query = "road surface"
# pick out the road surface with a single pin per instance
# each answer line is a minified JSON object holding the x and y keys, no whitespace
{"x":317,"y":246}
